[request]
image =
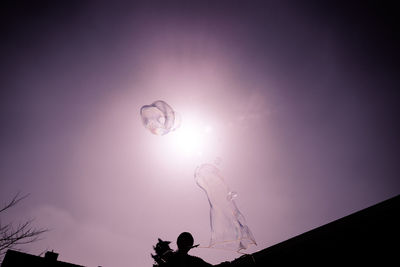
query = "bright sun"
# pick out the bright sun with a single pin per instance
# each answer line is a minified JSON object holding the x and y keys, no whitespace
{"x":192,"y":138}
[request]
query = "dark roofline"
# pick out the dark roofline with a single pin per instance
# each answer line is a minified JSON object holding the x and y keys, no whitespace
{"x":368,"y":236}
{"x":16,"y":258}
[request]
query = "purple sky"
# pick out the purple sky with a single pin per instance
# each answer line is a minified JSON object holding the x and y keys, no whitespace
{"x":300,"y":100}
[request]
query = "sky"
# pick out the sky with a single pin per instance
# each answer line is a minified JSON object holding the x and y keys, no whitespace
{"x":297,"y":100}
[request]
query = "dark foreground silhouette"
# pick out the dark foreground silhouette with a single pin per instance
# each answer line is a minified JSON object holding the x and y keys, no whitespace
{"x":165,"y":257}
{"x":20,"y":259}
{"x":367,"y":237}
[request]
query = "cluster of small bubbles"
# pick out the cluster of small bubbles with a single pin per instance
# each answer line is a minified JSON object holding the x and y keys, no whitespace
{"x":231,"y":195}
{"x":159,"y":118}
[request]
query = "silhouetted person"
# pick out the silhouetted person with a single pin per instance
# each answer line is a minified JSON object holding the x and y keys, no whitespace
{"x":181,"y":258}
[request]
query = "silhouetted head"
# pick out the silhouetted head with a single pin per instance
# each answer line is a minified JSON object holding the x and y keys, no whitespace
{"x":185,"y":242}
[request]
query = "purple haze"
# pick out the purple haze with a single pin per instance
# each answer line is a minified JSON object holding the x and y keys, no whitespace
{"x":303,"y":100}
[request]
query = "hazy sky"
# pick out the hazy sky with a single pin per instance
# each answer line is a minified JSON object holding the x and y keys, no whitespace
{"x":299,"y":101}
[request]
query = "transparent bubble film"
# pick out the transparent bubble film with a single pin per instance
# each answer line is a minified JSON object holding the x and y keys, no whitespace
{"x":228,"y":226}
{"x":158,"y":118}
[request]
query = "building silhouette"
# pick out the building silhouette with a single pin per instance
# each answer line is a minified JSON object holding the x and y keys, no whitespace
{"x":367,"y":237}
{"x":19,"y":259}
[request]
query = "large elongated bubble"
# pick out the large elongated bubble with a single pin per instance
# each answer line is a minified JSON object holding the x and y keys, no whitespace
{"x":228,"y":225}
{"x":158,"y":118}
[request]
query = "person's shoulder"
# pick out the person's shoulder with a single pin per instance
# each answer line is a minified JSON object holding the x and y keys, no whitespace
{"x":195,"y":258}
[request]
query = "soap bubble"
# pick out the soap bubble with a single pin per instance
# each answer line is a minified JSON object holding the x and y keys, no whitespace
{"x":228,"y":225}
{"x":231,"y":195}
{"x":177,"y":121}
{"x":159,"y":118}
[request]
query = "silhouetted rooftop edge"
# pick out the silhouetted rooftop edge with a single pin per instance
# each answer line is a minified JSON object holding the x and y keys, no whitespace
{"x":365,"y":237}
{"x":15,"y":258}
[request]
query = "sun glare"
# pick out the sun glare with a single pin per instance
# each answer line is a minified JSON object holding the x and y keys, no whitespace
{"x":192,"y":138}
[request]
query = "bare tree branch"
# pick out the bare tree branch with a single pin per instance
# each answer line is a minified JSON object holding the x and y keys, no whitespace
{"x":12,"y":235}
{"x":14,"y":201}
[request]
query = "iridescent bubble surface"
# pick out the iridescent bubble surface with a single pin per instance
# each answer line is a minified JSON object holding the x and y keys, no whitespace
{"x":228,"y":225}
{"x":158,"y":117}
